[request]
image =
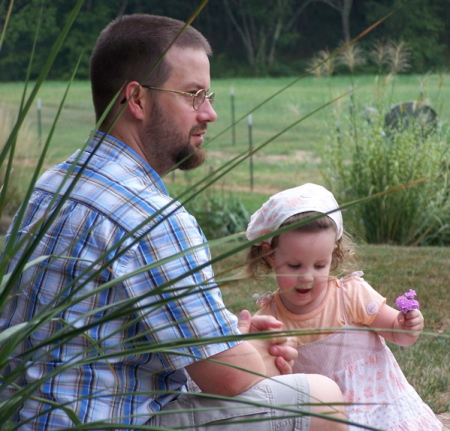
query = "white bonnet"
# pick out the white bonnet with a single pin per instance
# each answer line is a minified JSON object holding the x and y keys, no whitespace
{"x":281,"y":206}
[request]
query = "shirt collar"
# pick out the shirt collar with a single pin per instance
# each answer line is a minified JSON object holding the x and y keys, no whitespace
{"x":107,"y":147}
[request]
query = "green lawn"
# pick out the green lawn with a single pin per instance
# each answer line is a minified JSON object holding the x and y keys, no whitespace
{"x":290,"y":159}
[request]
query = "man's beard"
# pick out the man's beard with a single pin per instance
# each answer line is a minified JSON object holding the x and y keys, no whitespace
{"x":170,"y":147}
{"x":190,"y":157}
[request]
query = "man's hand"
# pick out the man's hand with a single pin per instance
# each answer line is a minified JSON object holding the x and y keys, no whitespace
{"x":282,"y":348}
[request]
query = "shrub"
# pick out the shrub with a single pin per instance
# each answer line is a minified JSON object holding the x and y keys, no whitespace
{"x":219,"y":213}
{"x":410,"y":170}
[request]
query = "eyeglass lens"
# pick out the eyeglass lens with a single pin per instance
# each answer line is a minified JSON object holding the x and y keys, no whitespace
{"x":200,"y":97}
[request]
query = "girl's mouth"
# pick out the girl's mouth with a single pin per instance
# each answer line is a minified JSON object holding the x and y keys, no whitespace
{"x":302,"y":291}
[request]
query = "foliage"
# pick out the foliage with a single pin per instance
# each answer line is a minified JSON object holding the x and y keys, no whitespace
{"x":263,"y":27}
{"x":398,"y":57}
{"x":393,"y":57}
{"x":410,"y":161}
{"x":419,"y":23}
{"x":275,"y":37}
{"x":352,"y":57}
{"x":322,"y":64}
{"x":219,"y":213}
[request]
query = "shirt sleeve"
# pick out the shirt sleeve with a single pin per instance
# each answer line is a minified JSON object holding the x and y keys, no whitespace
{"x":178,"y":297}
{"x":361,"y":301}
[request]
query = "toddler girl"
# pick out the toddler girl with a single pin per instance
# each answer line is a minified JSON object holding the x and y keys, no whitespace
{"x":308,"y":299}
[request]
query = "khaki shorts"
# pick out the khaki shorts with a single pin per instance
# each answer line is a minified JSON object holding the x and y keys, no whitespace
{"x":253,"y":410}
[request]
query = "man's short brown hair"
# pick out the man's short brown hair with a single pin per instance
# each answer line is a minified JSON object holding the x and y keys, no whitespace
{"x":129,"y":47}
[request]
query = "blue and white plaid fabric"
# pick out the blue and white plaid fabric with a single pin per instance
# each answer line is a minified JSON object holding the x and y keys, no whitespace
{"x":118,"y":221}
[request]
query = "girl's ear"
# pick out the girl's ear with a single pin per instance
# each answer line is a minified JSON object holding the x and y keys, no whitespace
{"x":268,"y":253}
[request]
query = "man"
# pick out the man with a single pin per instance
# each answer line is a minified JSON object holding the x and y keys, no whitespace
{"x":122,"y":240}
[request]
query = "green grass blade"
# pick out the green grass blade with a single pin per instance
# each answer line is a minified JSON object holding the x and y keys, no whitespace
{"x":5,"y":26}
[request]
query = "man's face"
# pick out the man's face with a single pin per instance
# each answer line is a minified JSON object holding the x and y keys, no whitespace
{"x":174,"y":133}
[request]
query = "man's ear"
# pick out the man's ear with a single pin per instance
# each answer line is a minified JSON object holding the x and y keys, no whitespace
{"x":268,"y":253}
{"x":137,"y":103}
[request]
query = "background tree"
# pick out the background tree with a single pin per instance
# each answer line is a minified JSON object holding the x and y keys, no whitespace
{"x":422,"y":24}
{"x":263,"y":25}
{"x":22,"y":29}
{"x":249,"y":37}
{"x":344,"y":7}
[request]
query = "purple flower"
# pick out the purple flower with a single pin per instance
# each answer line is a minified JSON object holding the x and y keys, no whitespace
{"x":411,"y":294}
{"x":406,"y":302}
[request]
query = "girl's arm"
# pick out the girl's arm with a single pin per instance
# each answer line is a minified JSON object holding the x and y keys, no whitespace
{"x":389,"y":318}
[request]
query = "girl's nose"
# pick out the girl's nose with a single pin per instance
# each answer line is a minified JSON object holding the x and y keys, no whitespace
{"x":307,"y":277}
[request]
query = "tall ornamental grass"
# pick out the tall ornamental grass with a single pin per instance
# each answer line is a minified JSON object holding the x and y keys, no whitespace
{"x":398,"y":154}
{"x":405,"y":166}
{"x":26,"y":152}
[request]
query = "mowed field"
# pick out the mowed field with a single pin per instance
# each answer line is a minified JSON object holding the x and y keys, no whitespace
{"x":288,"y":158}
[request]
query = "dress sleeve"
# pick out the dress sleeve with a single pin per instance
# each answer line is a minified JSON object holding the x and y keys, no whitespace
{"x":361,"y":301}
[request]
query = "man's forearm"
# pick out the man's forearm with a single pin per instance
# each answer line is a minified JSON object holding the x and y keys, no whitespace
{"x":241,"y":367}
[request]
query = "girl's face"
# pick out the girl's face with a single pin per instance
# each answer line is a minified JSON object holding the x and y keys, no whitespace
{"x":301,"y":262}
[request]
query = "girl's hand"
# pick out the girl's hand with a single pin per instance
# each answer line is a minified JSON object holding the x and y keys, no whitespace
{"x":411,"y":321}
{"x":389,"y":319}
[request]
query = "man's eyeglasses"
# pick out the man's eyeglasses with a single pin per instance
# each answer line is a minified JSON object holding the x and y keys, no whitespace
{"x":197,"y":98}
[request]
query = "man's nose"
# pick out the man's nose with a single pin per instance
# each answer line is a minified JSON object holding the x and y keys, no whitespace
{"x":206,"y":113}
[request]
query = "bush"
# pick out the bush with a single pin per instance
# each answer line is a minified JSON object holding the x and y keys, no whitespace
{"x":409,"y":168}
{"x":219,"y":214}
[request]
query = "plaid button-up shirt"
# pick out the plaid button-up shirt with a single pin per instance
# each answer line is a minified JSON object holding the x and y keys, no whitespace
{"x":117,"y":220}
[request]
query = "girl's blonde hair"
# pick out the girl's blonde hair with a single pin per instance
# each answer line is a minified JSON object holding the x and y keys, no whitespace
{"x":343,"y":255}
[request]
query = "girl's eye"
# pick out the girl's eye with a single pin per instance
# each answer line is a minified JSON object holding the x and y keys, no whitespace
{"x":294,"y":266}
{"x":320,"y":266}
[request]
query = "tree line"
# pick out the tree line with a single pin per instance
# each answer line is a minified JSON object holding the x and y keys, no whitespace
{"x":249,"y":37}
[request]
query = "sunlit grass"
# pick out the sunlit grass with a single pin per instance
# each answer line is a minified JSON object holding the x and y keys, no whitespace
{"x":308,"y":138}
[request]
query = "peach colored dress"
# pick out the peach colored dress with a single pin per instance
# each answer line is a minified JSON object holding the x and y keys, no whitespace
{"x":357,"y":359}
